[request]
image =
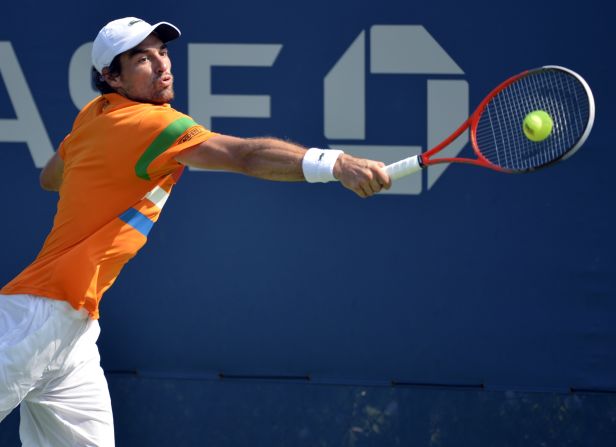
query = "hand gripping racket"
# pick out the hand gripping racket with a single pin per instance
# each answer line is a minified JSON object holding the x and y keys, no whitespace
{"x":496,"y":126}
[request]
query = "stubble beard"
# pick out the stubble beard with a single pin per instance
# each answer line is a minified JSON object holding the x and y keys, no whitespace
{"x":164,"y":97}
{"x":159,"y":97}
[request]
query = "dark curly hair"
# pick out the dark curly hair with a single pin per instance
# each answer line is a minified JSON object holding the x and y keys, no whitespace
{"x":98,"y":81}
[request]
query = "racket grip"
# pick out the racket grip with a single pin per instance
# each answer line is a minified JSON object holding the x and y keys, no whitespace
{"x":403,"y":167}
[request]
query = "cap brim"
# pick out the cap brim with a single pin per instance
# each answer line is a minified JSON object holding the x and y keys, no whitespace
{"x":166,"y":31}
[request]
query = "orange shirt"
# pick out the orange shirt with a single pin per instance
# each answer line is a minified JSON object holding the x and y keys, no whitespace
{"x":119,"y":169}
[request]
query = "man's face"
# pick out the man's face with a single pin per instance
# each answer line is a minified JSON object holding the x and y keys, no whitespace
{"x":146,"y":73}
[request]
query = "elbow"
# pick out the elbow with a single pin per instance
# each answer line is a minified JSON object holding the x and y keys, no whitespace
{"x":50,"y":187}
{"x":49,"y":184}
{"x":50,"y":178}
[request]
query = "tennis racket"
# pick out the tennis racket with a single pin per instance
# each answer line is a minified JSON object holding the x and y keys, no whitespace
{"x":496,"y":126}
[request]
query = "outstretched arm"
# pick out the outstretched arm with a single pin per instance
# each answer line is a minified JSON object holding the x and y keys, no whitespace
{"x":273,"y":159}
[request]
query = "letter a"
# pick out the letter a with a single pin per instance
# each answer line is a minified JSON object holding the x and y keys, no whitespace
{"x":27,"y":127}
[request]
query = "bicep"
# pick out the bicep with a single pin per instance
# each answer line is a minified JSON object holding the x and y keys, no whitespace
{"x":51,"y":175}
{"x":220,"y":152}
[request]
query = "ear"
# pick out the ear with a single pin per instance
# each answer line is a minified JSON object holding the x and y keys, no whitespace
{"x":113,"y":80}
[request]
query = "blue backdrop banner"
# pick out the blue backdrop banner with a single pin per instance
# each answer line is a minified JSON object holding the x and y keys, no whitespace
{"x":459,"y":276}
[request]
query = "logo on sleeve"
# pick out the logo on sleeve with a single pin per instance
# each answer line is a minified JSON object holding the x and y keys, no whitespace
{"x":189,"y":134}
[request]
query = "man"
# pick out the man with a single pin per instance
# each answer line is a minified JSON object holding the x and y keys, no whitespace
{"x":114,"y":172}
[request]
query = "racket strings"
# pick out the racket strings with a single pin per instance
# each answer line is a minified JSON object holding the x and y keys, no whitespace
{"x":499,"y":134}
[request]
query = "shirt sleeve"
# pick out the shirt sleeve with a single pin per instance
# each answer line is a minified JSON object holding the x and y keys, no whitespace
{"x":83,"y":116}
{"x":179,"y":132}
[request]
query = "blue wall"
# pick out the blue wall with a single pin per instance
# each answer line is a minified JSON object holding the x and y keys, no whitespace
{"x":475,"y":280}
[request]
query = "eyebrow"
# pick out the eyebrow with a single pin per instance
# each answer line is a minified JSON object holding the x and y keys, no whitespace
{"x":138,"y":50}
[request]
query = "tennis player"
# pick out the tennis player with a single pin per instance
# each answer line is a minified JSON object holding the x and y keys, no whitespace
{"x":114,"y":172}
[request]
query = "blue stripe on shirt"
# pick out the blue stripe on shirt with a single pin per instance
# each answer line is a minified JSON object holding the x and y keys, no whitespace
{"x":137,"y":220}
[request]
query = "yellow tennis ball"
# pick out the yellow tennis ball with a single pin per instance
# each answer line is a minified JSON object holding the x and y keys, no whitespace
{"x":537,"y":125}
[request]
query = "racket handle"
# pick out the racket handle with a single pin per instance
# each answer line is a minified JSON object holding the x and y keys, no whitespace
{"x":404,"y":167}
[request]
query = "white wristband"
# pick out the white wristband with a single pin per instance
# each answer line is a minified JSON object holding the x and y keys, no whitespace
{"x":318,"y":165}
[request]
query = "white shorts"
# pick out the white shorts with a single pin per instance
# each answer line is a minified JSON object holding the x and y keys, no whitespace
{"x":49,"y":363}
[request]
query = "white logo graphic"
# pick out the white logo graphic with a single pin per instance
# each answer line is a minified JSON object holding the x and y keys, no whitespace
{"x":395,"y":49}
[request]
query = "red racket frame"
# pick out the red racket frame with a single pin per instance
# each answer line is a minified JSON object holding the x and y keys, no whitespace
{"x":472,"y":121}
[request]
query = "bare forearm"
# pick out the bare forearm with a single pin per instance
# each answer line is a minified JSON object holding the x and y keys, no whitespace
{"x":273,"y":159}
{"x":266,"y":158}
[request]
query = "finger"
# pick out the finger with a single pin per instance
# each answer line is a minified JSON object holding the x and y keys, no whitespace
{"x":357,"y":190}
{"x":375,"y":185}
{"x":383,"y":177}
{"x":366,"y":189}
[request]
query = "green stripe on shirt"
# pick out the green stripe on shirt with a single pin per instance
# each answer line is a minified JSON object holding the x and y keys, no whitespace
{"x":162,"y":142}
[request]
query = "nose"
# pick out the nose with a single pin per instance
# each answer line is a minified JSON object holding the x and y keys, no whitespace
{"x":162,"y":64}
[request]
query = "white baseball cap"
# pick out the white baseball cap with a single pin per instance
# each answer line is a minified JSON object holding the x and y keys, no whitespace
{"x":121,"y":35}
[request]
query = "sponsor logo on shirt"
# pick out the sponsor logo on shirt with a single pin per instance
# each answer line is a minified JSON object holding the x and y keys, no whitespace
{"x":189,"y":134}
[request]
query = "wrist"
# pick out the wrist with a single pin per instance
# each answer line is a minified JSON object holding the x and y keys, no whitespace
{"x":338,"y":166}
{"x":318,"y":165}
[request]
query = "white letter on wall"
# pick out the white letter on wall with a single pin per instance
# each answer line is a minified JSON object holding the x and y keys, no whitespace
{"x":28,"y":127}
{"x":202,"y":103}
{"x":79,"y":76}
